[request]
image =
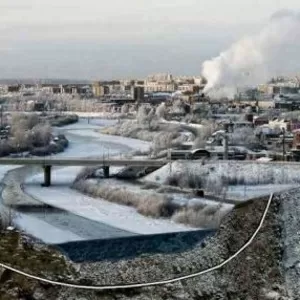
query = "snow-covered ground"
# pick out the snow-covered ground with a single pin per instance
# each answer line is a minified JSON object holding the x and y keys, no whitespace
{"x":254,"y":178}
{"x":192,"y":125}
{"x":185,"y":200}
{"x":45,"y":231}
{"x":244,"y":192}
{"x":107,"y":115}
{"x":178,"y":198}
{"x":5,"y":169}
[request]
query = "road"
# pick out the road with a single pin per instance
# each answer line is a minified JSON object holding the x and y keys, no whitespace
{"x":82,"y":162}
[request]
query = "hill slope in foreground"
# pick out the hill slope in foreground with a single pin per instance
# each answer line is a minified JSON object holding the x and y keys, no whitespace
{"x":263,"y":271}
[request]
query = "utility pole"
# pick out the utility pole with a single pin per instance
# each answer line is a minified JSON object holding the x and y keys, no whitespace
{"x":283,"y":143}
{"x":226,"y":146}
{"x":1,"y":112}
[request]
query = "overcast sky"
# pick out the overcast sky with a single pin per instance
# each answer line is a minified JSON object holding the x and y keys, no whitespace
{"x":95,"y":39}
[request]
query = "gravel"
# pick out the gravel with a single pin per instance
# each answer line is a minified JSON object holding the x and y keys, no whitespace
{"x":252,"y":275}
{"x":290,"y":212}
{"x":258,"y":273}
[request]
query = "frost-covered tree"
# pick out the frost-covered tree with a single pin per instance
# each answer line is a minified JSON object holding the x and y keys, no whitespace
{"x":243,"y":136}
{"x":178,"y":107}
{"x":125,"y":109}
{"x":141,"y":115}
{"x":203,"y":135}
{"x":163,"y":141}
{"x":161,"y":111}
{"x":41,"y":134}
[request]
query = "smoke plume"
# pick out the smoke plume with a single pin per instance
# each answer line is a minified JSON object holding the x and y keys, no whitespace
{"x":255,"y":59}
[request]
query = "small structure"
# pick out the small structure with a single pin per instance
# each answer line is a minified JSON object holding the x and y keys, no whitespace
{"x":296,"y":145}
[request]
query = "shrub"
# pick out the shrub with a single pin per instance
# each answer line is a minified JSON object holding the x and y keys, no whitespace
{"x":41,"y":135}
{"x":173,"y":179}
{"x":47,"y":150}
{"x":86,"y":173}
{"x":152,"y":205}
{"x":63,"y":120}
{"x":185,"y":179}
{"x":156,"y":206}
{"x":207,"y":217}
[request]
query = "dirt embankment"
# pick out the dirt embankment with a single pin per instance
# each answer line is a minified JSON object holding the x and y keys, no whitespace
{"x":256,"y":274}
{"x":12,"y":191}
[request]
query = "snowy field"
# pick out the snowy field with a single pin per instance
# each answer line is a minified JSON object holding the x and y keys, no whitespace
{"x":245,"y":180}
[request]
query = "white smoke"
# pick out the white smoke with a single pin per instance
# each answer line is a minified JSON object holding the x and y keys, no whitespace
{"x":275,"y":50}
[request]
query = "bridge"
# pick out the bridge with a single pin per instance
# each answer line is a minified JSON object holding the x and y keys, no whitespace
{"x":48,"y":163}
{"x":106,"y":163}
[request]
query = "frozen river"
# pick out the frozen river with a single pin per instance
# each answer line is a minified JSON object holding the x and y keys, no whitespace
{"x":77,"y":217}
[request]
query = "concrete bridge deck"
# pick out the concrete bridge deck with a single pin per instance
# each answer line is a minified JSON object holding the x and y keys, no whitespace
{"x":106,"y":163}
{"x":84,"y":162}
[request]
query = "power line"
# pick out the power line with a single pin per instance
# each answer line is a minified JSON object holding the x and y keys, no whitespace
{"x":154,"y":283}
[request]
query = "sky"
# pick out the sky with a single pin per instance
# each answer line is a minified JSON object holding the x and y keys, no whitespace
{"x":94,"y":39}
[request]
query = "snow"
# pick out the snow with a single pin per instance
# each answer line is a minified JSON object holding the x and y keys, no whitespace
{"x":44,"y":231}
{"x":193,"y":125}
{"x":183,"y":200}
{"x":244,"y":192}
{"x":103,"y":115}
{"x":85,"y":124}
{"x":123,"y":217}
{"x":256,"y":176}
{"x":4,"y":169}
{"x":264,"y":159}
{"x":88,"y":131}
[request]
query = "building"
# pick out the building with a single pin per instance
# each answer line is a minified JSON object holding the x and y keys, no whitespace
{"x":138,"y":93}
{"x":160,"y":83}
{"x":155,"y":87}
{"x":99,"y":90}
{"x":160,"y":77}
{"x":288,"y":101}
{"x":13,"y":88}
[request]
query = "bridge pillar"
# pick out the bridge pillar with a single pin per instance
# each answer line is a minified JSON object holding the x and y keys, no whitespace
{"x":47,"y":176}
{"x":106,"y":171}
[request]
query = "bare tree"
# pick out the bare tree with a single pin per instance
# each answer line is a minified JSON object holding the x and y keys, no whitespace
{"x":41,"y":135}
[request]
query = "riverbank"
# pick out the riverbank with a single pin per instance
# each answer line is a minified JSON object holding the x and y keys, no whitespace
{"x":241,"y":278}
